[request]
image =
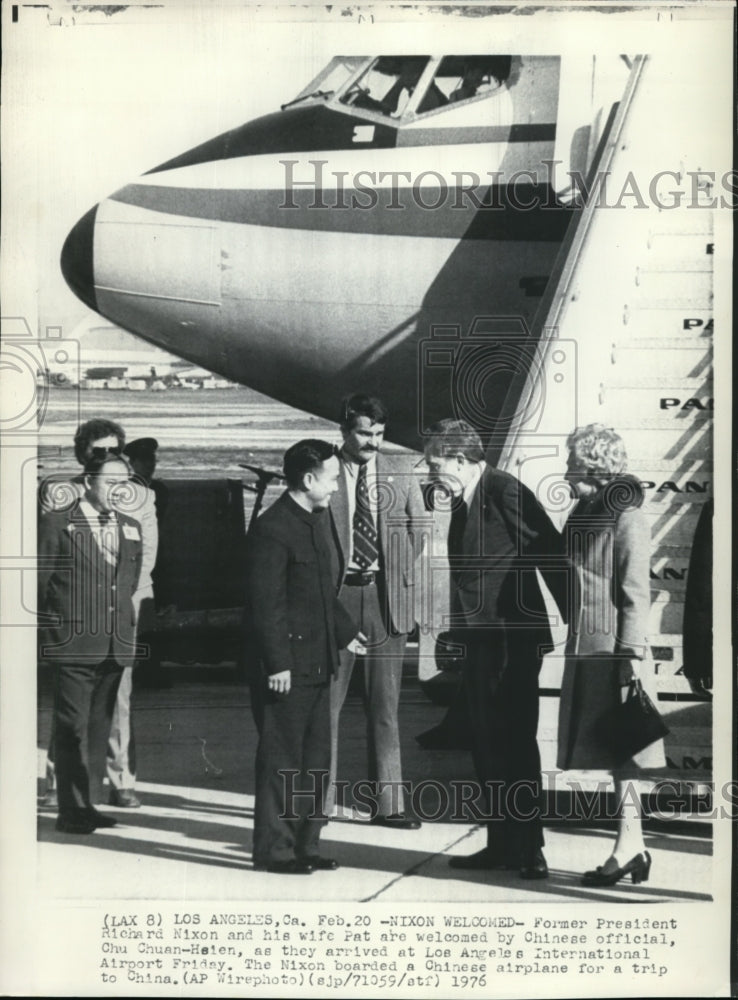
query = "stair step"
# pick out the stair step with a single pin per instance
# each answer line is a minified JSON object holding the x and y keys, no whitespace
{"x":647,"y":341}
{"x":696,"y":284}
{"x":681,"y":362}
{"x":687,"y":479}
{"x":676,"y":266}
{"x":691,"y":322}
{"x":668,"y":245}
{"x":655,"y":409}
{"x":686,"y":305}
{"x":689,"y":222}
{"x":659,"y":381}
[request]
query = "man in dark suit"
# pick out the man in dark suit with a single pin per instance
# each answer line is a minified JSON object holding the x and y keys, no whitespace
{"x":499,"y":535}
{"x":94,"y":439}
{"x":376,"y":516}
{"x":89,"y":561}
{"x":298,"y":625}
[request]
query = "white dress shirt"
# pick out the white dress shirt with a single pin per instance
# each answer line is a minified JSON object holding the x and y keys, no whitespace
{"x":105,"y":535}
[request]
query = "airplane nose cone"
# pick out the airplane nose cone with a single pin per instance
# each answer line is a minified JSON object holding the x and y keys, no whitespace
{"x":77,"y":259}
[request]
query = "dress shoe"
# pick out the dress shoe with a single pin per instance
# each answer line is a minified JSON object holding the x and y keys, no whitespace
{"x":75,"y":824}
{"x":292,"y":866}
{"x":396,"y":821}
{"x":484,"y":860}
{"x":639,"y":869}
{"x":534,"y":866}
{"x":124,"y":798}
{"x":100,"y":819}
{"x":320,"y":864}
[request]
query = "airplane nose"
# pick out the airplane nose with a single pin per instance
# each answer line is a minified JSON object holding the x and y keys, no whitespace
{"x":77,"y":259}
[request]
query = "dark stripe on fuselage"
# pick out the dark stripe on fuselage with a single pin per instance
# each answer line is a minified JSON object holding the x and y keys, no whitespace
{"x":503,"y":215}
{"x":301,"y":130}
{"x":451,"y":136}
{"x":295,"y":130}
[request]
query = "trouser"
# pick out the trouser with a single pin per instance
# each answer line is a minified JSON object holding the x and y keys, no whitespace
{"x":291,"y":766}
{"x":502,"y":703}
{"x":121,"y":752}
{"x":381,"y":695}
{"x":121,"y":755}
{"x":84,"y":696}
{"x":121,"y":749}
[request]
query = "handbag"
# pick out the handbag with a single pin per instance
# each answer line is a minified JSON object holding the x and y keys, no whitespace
{"x":633,"y":724}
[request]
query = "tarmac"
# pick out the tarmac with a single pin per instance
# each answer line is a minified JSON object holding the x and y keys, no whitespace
{"x":191,"y":838}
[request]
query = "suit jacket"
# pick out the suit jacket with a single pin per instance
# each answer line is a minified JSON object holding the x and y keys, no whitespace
{"x":59,"y":493}
{"x":507,"y":536}
{"x":401,"y":510}
{"x":85,"y":605}
{"x":292,"y":609}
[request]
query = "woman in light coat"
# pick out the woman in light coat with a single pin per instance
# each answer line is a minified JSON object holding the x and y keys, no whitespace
{"x":608,"y":538}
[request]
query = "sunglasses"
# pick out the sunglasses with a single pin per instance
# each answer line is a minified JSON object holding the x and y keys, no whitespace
{"x":102,"y":452}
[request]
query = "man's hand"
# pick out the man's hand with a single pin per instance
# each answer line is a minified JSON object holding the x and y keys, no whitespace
{"x":280,"y":682}
{"x":357,"y":646}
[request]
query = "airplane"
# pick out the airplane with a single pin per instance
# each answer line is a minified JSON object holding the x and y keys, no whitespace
{"x":108,"y":354}
{"x":319,"y":249}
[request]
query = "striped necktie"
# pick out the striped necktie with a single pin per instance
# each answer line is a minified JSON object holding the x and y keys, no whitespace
{"x":365,"y":530}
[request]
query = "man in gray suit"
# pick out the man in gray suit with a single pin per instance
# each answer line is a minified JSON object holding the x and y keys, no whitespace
{"x":375,"y":514}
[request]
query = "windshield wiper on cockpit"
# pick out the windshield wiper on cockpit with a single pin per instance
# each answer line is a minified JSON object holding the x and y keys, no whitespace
{"x":305,"y":97}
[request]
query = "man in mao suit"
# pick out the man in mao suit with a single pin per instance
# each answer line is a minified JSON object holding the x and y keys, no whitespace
{"x":375,"y":513}
{"x":89,"y":561}
{"x":499,"y":535}
{"x":298,"y":625}
{"x":94,"y":439}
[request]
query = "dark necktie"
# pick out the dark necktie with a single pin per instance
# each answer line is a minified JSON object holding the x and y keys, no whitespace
{"x":365,"y":530}
{"x":456,"y":527}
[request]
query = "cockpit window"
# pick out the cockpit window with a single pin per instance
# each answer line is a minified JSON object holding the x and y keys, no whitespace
{"x":396,"y":86}
{"x":387,"y":85}
{"x":460,"y":78}
{"x":330,"y":79}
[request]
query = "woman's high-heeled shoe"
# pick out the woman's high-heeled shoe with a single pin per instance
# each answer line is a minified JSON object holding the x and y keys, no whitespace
{"x":639,"y":868}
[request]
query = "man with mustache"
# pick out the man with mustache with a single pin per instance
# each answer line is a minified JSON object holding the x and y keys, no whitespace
{"x":375,"y":514}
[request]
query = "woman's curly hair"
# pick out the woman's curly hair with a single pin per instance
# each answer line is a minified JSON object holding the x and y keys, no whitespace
{"x":598,"y":449}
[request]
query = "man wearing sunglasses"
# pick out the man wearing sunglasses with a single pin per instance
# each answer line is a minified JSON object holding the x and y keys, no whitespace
{"x":97,"y":439}
{"x":89,"y":561}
